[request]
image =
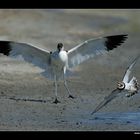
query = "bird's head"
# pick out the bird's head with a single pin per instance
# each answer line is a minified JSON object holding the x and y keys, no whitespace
{"x":60,"y":47}
{"x":120,"y":85}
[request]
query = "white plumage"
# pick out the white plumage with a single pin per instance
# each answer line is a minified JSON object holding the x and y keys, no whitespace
{"x":131,"y":86}
{"x":56,"y":63}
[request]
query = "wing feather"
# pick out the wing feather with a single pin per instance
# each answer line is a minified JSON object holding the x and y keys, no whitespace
{"x":106,"y":100}
{"x":22,"y":51}
{"x":93,"y":47}
{"x":129,"y":69}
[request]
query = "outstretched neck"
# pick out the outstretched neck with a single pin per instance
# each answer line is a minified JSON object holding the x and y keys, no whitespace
{"x":60,"y":49}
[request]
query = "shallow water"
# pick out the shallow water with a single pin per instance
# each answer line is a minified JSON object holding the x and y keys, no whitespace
{"x":126,"y":117}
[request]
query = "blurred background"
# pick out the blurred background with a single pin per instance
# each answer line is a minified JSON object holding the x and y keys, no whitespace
{"x":46,"y":27}
{"x":94,"y":80}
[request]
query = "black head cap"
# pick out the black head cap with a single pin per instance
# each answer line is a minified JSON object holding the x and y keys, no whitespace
{"x":59,"y":46}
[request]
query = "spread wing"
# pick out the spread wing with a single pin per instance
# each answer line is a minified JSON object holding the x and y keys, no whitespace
{"x":106,"y":100}
{"x":22,"y":51}
{"x":93,"y":47}
{"x":129,"y":69}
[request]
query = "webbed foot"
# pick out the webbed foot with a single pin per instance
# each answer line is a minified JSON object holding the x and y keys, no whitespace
{"x":70,"y":96}
{"x":56,"y":101}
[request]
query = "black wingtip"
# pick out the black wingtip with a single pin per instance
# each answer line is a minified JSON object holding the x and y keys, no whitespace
{"x":115,"y":41}
{"x":5,"y":47}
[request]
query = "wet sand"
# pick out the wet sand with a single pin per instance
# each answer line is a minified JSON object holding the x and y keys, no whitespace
{"x":33,"y":108}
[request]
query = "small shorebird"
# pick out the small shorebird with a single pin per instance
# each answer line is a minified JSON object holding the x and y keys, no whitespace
{"x":56,"y":63}
{"x":131,"y":86}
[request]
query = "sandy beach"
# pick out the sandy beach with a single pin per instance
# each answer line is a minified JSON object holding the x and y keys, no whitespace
{"x":90,"y":83}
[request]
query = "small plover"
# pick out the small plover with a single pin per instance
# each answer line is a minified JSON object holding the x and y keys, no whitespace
{"x":131,"y":87}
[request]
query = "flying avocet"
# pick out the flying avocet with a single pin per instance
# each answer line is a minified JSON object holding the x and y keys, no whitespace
{"x":56,"y":63}
{"x":131,"y":86}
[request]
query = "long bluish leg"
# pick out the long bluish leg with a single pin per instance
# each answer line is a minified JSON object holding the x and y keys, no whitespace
{"x":65,"y":84}
{"x":55,"y":84}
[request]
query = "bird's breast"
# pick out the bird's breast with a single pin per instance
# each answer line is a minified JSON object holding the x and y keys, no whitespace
{"x":63,"y":56}
{"x":59,"y":59}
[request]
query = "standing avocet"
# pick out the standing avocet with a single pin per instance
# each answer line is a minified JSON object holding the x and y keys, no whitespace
{"x":56,"y":63}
